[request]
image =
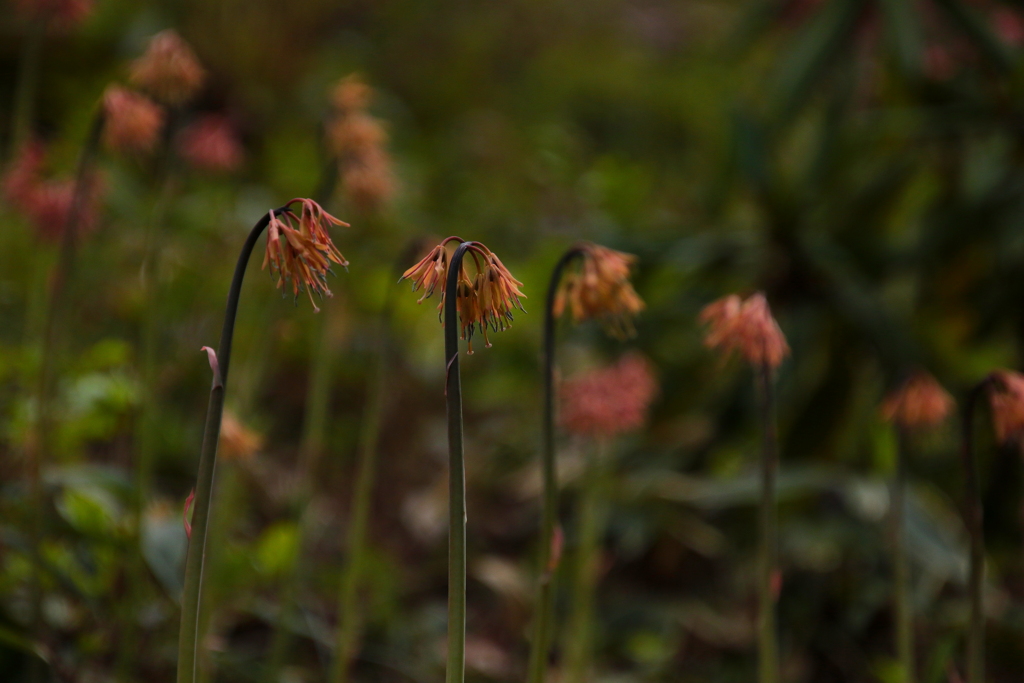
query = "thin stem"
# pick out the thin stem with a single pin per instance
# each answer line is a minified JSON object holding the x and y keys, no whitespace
{"x":349,"y":617}
{"x":904,"y":635}
{"x":38,"y":449}
{"x":540,"y":646}
{"x":973,"y":519}
{"x":188,"y":637}
{"x":591,"y":522}
{"x":456,"y":669}
{"x":768,"y":657}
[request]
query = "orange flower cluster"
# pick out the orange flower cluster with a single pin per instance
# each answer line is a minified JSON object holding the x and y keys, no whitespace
{"x":601,"y":289}
{"x":358,"y":141}
{"x":745,"y":326}
{"x":211,"y":144}
{"x":1006,"y":397}
{"x":609,"y":401}
{"x":484,"y":301}
{"x":132,"y":122}
{"x":919,"y":402}
{"x":47,"y":203}
{"x":169,"y":70}
{"x":299,"y":249}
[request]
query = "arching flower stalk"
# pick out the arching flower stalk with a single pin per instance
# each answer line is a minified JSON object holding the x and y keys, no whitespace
{"x":918,"y":403}
{"x":597,"y":406}
{"x":467,"y":305}
{"x":747,"y":326}
{"x":598,"y":289}
{"x":300,"y":251}
{"x":1004,"y":390}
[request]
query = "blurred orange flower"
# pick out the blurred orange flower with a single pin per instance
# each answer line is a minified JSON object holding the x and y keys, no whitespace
{"x":238,"y":442}
{"x":611,"y":400}
{"x":169,"y":70}
{"x":747,"y":327}
{"x":919,"y":402}
{"x":132,"y":122}
{"x":300,"y":250}
{"x":358,"y":140}
{"x":1006,"y":396}
{"x":601,"y":289}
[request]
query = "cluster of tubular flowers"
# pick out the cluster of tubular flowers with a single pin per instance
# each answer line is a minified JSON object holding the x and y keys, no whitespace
{"x":47,"y":203}
{"x":358,"y":141}
{"x":600,"y":289}
{"x":609,"y":401}
{"x":132,"y":122}
{"x":746,"y":326}
{"x":1006,"y":398}
{"x":919,"y":402}
{"x":486,"y":300}
{"x":211,"y":144}
{"x":300,"y":250}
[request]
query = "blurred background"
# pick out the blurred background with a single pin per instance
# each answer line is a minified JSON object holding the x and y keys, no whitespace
{"x":857,"y":160}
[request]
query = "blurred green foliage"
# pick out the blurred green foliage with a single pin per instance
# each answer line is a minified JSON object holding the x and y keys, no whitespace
{"x":858,"y":160}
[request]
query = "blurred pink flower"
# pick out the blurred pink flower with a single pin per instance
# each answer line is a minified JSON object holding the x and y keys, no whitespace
{"x":169,"y":70}
{"x":746,"y":326}
{"x":211,"y":144}
{"x":47,"y":203}
{"x":132,"y":122}
{"x":61,"y":13}
{"x":1009,"y":25}
{"x":611,"y":400}
{"x":919,"y":402}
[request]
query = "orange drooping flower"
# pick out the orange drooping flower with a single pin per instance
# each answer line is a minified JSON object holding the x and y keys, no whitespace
{"x":919,"y":402}
{"x":238,"y":442}
{"x":132,"y":122}
{"x":601,"y":289}
{"x":745,"y":326}
{"x":1006,"y":396}
{"x":609,"y":401}
{"x":47,"y":203}
{"x":358,"y":140}
{"x":484,"y":301}
{"x":299,"y":248}
{"x":169,"y":70}
{"x":211,"y":144}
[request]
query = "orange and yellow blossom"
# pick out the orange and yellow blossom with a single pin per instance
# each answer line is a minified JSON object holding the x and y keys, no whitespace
{"x":601,"y":290}
{"x":300,"y":250}
{"x":746,"y":326}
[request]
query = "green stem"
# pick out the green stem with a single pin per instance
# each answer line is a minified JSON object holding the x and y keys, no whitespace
{"x":188,"y":637}
{"x":768,"y":657}
{"x":349,"y":617}
{"x":592,"y":514}
{"x":456,"y":669}
{"x":28,"y":82}
{"x":540,"y":646}
{"x":38,"y":450}
{"x":973,"y":520}
{"x":904,"y":635}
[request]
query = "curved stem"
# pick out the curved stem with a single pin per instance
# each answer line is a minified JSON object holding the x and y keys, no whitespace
{"x":904,"y":635}
{"x":767,"y":647}
{"x":456,"y":669}
{"x":188,"y":635}
{"x":544,"y":614}
{"x":973,"y":519}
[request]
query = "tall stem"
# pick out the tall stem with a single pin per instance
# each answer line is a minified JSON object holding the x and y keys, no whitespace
{"x":768,"y":657}
{"x":456,"y":670}
{"x":973,"y":520}
{"x":188,"y":636}
{"x":349,"y":616}
{"x":38,"y":449}
{"x":590,"y":524}
{"x":904,"y":635}
{"x":543,"y":617}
